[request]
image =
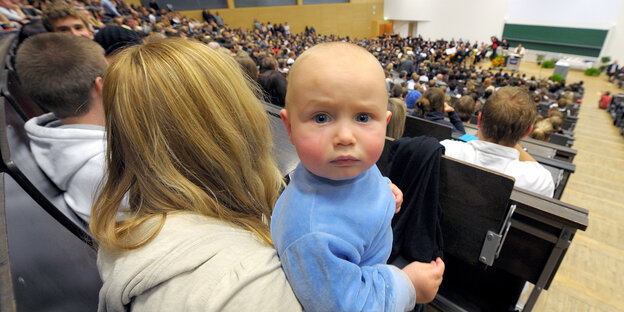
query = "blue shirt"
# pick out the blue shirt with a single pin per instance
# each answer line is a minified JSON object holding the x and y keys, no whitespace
{"x":334,"y":238}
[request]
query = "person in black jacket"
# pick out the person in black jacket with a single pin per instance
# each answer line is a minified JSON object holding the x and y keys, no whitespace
{"x":612,"y":70}
{"x":207,"y":16}
{"x":154,"y":5}
{"x":272,"y":82}
{"x":433,"y":107}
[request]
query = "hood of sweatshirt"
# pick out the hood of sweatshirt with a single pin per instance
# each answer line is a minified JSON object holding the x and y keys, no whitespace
{"x":72,"y":156}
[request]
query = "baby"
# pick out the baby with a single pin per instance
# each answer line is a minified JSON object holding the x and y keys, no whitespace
{"x":331,"y":226}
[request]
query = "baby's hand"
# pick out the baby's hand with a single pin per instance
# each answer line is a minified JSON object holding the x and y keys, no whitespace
{"x":398,"y":196}
{"x":426,"y":278}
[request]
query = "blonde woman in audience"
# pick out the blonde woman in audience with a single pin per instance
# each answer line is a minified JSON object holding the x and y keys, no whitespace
{"x":396,"y":126}
{"x":557,"y":123}
{"x":542,"y":130}
{"x":190,"y":143}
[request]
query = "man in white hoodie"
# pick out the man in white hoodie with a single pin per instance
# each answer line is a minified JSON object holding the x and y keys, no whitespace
{"x":63,"y":74}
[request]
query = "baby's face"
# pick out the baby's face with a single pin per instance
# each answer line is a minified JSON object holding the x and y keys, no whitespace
{"x":337,"y":117}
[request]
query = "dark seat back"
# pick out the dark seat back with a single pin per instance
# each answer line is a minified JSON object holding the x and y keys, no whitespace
{"x":415,"y":126}
{"x":16,"y":95}
{"x":45,"y":267}
{"x":474,"y":201}
{"x":474,"y":119}
{"x":561,"y":139}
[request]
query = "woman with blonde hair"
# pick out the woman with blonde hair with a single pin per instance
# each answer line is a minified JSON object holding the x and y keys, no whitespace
{"x":542,"y":130}
{"x":189,"y":148}
{"x":396,"y":126}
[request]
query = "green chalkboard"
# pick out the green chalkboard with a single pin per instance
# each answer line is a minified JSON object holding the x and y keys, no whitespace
{"x":580,"y":41}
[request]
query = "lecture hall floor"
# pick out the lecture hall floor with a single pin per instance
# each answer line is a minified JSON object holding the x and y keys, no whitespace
{"x":591,"y":277}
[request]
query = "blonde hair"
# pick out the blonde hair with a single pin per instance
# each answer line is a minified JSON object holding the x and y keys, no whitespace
{"x":185,"y":132}
{"x":396,"y":126}
{"x":557,"y":122}
{"x":542,"y":130}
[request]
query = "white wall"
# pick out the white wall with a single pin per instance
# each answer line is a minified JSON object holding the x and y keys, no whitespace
{"x":614,"y":47}
{"x":407,"y":10}
{"x":401,"y":28}
{"x":570,"y":13}
{"x":480,"y":19}
{"x":451,"y":18}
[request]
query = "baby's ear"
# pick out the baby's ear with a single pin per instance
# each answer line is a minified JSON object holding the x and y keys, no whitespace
{"x":284,"y":115}
{"x":388,"y":115}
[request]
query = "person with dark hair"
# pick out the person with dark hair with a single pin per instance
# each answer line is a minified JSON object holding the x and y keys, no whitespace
{"x":273,"y":83}
{"x":612,"y":70}
{"x":208,"y":17}
{"x":396,"y":92}
{"x":402,"y":78}
{"x":407,"y":65}
{"x":114,"y":38}
{"x":154,"y":5}
{"x":432,"y":106}
{"x":63,"y":74}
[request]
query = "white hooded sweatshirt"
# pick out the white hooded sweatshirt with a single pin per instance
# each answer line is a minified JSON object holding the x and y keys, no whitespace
{"x":72,"y":156}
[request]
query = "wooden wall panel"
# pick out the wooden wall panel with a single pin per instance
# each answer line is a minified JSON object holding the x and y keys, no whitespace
{"x":353,"y":19}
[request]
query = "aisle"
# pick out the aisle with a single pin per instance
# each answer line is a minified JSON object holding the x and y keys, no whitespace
{"x":591,"y":277}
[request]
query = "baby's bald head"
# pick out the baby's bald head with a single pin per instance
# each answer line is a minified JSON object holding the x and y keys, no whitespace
{"x":331,"y":59}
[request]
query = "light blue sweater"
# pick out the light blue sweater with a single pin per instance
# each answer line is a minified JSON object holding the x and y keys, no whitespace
{"x":334,"y":238}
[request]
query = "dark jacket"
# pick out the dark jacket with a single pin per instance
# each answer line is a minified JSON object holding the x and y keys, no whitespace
{"x":414,"y":166}
{"x":456,"y":123}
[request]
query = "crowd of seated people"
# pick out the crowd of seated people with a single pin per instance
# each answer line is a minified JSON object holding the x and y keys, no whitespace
{"x":448,"y":87}
{"x":413,"y":63}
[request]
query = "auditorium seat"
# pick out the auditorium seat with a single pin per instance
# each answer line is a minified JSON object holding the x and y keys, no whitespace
{"x":44,"y":266}
{"x":532,"y":235}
